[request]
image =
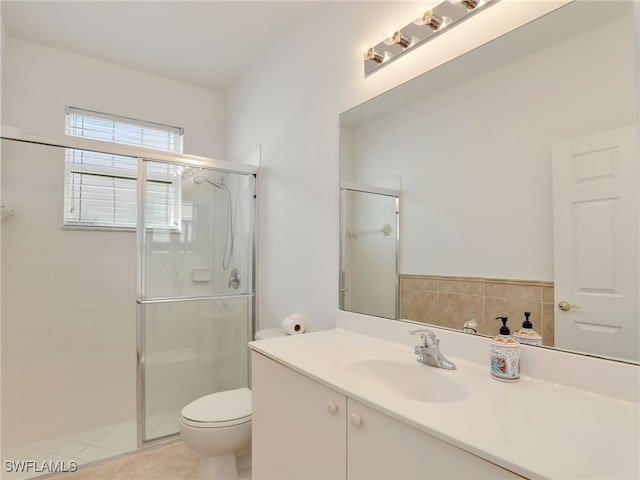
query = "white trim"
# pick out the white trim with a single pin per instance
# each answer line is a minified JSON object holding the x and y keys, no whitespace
{"x":361,"y":187}
{"x":13,"y":133}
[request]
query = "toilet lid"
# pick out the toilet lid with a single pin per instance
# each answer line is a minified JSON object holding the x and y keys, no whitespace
{"x":220,"y":407}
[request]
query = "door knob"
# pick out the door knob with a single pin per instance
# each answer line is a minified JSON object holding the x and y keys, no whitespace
{"x":332,"y":407}
{"x":566,"y":306}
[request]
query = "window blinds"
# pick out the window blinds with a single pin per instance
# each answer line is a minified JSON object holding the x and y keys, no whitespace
{"x":113,"y":128}
{"x":100,"y":189}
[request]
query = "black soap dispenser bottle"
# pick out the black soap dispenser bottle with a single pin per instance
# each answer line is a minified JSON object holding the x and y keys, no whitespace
{"x":505,"y":354}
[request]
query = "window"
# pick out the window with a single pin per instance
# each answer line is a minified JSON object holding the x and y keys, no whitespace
{"x":100,"y":189}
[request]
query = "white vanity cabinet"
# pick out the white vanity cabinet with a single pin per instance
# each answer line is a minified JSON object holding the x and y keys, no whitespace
{"x":302,"y":429}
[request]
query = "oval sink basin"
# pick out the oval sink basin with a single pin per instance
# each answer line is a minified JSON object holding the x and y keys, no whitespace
{"x":398,"y":374}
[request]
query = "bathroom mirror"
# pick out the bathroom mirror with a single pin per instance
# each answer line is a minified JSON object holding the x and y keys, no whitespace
{"x":518,"y":166}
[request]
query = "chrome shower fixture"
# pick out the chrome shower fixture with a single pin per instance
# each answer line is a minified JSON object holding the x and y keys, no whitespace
{"x":189,"y":172}
{"x":229,"y":237}
{"x":216,"y":183}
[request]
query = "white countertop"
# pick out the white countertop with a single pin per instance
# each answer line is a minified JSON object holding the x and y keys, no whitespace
{"x":533,"y":427}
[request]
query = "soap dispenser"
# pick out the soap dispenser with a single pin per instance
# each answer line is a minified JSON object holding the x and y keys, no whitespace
{"x":505,"y":354}
{"x":527,"y":335}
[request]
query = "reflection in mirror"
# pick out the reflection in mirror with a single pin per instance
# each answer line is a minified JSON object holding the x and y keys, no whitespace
{"x":369,"y":250}
{"x":519,"y":181}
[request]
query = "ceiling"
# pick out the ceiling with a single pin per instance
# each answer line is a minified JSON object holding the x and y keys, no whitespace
{"x":204,"y":43}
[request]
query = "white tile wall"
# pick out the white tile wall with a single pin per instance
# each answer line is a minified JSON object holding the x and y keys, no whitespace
{"x":68,"y":310}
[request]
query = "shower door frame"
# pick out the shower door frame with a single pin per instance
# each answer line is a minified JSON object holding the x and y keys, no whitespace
{"x":9,"y":132}
{"x":209,"y":164}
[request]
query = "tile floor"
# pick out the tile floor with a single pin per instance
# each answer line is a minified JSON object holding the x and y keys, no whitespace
{"x":172,"y":462}
{"x":84,"y":447}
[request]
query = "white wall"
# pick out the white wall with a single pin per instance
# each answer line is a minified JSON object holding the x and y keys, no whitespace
{"x":39,"y":81}
{"x":476,"y":170}
{"x":289,"y":102}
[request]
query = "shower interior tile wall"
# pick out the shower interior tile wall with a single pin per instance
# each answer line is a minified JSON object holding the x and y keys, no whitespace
{"x":68,"y":310}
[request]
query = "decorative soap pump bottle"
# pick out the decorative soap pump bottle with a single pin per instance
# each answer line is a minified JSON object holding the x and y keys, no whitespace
{"x":527,"y":335}
{"x":505,"y":355}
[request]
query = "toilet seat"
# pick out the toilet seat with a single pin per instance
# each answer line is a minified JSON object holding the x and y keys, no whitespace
{"x":230,"y":423}
{"x":221,"y":409}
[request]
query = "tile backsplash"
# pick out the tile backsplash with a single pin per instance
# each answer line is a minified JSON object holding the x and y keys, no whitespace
{"x":451,"y":301}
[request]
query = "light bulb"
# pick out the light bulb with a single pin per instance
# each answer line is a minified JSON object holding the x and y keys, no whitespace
{"x":388,"y":34}
{"x":391,"y":36}
{"x":426,"y":5}
{"x":371,"y":54}
{"x":428,"y":18}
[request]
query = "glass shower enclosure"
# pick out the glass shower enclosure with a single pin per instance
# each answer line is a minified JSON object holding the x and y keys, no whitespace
{"x":195,"y":287}
{"x":107,"y":333}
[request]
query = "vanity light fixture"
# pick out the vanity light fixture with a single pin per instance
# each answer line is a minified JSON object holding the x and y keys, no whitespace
{"x":428,"y":23}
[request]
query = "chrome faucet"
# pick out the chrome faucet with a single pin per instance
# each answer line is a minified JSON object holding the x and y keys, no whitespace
{"x":470,"y":326}
{"x":429,"y":352}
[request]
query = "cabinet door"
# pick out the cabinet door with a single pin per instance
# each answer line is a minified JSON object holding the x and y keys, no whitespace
{"x":379,"y":446}
{"x":299,"y":426}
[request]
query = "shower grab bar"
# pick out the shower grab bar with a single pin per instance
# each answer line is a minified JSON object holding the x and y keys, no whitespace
{"x":386,"y":230}
{"x":191,"y":299}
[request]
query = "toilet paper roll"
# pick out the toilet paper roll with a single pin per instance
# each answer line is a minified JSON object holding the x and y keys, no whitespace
{"x":293,"y":325}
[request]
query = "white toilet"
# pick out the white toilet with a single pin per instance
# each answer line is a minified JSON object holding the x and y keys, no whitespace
{"x":218,"y":427}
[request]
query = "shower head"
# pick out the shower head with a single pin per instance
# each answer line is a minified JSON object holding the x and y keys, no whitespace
{"x":216,"y":183}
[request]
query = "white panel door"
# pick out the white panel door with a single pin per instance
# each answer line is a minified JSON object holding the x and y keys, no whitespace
{"x":596,"y":227}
